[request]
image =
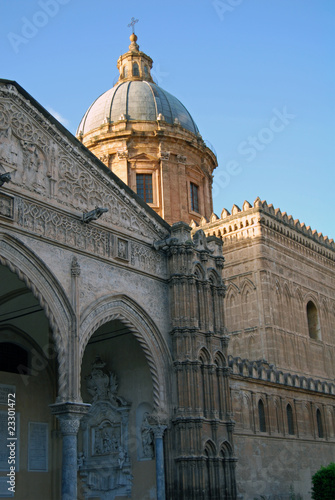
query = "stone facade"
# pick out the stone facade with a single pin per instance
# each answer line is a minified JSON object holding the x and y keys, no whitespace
{"x":80,"y":282}
{"x":280,"y":314}
{"x":162,"y":362}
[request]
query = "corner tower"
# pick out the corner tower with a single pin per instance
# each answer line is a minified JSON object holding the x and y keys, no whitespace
{"x":147,"y":137}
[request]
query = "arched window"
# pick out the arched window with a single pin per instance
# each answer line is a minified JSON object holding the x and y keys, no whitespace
{"x":290,"y":423}
{"x":125,"y":71}
{"x":261,"y":416}
{"x":136,"y":71}
{"x":13,"y":357}
{"x":313,"y":321}
{"x":319,"y":423}
{"x":146,"y":72}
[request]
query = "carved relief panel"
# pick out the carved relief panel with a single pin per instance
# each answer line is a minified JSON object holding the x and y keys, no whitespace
{"x":103,"y":463}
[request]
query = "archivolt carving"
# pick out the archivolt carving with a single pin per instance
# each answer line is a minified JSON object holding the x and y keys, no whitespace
{"x":155,"y":350}
{"x":44,"y":287}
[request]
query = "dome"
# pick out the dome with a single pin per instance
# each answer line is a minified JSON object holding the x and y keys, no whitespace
{"x":137,"y":101}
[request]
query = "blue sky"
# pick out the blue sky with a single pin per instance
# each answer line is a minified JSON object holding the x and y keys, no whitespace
{"x":256,"y":75}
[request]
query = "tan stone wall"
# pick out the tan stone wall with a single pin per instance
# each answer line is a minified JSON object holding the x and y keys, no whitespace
{"x":174,"y":156}
{"x":274,"y":267}
{"x":273,"y":461}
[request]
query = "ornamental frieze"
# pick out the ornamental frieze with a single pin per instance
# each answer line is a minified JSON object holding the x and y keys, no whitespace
{"x":52,"y":166}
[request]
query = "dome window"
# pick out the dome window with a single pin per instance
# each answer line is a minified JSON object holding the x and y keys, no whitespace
{"x":144,"y":187}
{"x":125,"y":71}
{"x":146,"y":72}
{"x":194,"y":197}
{"x":136,"y":71}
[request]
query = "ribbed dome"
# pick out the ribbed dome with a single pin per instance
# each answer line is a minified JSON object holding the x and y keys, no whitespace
{"x":139,"y":101}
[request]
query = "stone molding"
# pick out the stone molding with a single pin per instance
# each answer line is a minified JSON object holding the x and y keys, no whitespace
{"x":143,"y":329}
{"x":261,"y":370}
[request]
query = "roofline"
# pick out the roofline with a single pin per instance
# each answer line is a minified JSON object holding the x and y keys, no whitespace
{"x":76,"y":143}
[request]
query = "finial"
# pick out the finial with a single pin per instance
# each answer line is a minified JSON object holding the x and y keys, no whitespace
{"x":132,"y":24}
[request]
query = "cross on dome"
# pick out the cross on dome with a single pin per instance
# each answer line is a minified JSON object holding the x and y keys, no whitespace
{"x":132,"y":24}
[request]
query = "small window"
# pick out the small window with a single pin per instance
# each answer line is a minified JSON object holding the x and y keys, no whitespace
{"x":125,"y":71}
{"x":194,"y":197}
{"x":12,"y":357}
{"x":313,"y":321}
{"x":144,"y":187}
{"x":261,"y":416}
{"x":319,"y":423}
{"x":146,"y":72}
{"x":290,"y":423}
{"x":136,"y":71}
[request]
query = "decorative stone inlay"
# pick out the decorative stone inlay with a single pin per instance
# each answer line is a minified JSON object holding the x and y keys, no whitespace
{"x":75,"y":267}
{"x":122,"y":249}
{"x":147,"y":259}
{"x":6,"y":206}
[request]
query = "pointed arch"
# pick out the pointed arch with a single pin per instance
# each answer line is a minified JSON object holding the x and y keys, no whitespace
{"x":204,"y":356}
{"x":261,"y":415}
{"x":144,"y":330}
{"x":220,"y":359}
{"x":210,"y":448}
{"x":199,"y":271}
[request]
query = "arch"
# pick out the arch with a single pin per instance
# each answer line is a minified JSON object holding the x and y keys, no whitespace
{"x":48,"y":291}
{"x":204,"y":356}
{"x":261,"y":416}
{"x":319,"y":423}
{"x":136,"y":70}
{"x":199,"y":271}
{"x":210,"y":448}
{"x":290,"y":422}
{"x":144,"y":330}
{"x":220,"y":359}
{"x":226,"y":449}
{"x":213,"y":276}
{"x":313,"y":321}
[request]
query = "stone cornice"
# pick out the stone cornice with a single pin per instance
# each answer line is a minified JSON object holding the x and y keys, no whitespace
{"x":265,"y":372}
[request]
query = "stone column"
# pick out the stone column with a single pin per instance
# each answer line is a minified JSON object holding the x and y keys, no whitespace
{"x":69,"y":415}
{"x":158,"y":431}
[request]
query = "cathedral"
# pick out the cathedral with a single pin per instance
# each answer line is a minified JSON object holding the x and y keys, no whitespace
{"x":150,"y":349}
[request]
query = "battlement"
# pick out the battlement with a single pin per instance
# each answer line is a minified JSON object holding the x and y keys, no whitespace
{"x":263,"y":214}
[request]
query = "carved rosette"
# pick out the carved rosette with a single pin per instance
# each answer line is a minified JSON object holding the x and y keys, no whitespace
{"x":164,"y":155}
{"x":122,"y":154}
{"x":181,"y":159}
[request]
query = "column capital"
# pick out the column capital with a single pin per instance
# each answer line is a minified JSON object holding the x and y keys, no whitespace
{"x":158,"y":430}
{"x":69,"y":415}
